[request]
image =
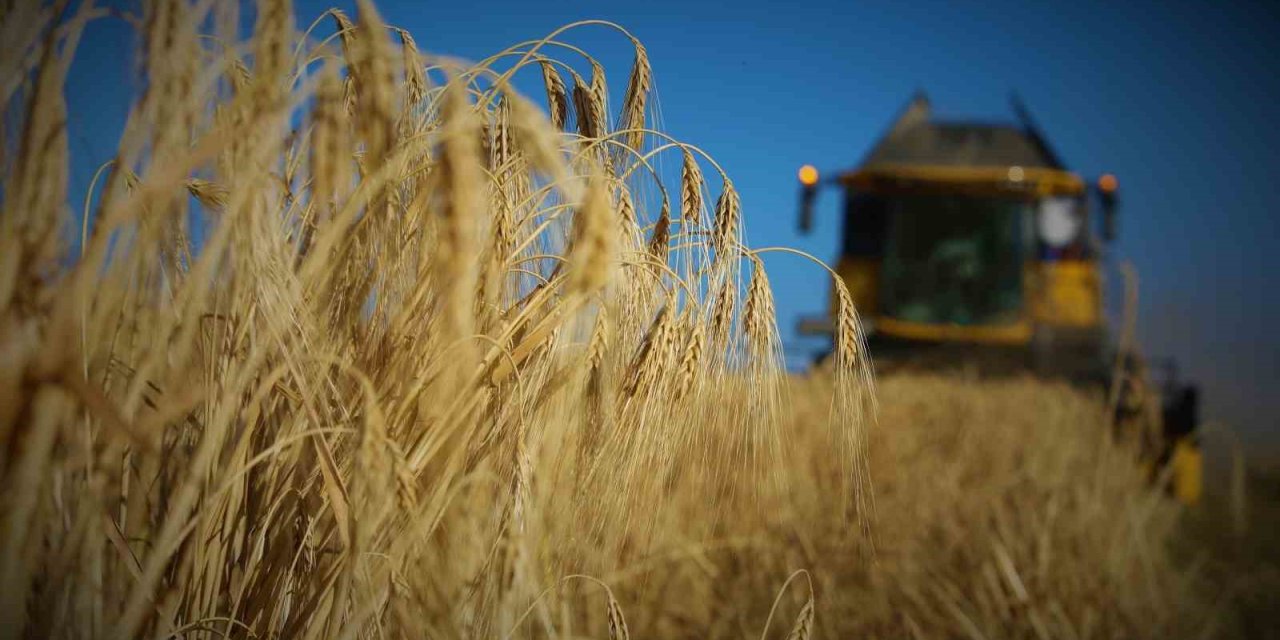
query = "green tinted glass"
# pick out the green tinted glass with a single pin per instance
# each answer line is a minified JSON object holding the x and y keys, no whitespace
{"x":954,"y":260}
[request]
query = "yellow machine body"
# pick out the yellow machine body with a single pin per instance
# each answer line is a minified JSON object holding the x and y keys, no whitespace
{"x":1058,"y":293}
{"x":1188,"y":471}
{"x":1066,"y":293}
{"x":1063,"y":293}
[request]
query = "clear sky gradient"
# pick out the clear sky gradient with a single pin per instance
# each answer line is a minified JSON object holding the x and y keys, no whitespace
{"x":1177,"y":100}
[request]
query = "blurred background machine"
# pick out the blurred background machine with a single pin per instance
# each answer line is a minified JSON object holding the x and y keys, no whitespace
{"x":970,"y":244}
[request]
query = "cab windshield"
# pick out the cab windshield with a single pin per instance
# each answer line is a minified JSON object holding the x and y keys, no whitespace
{"x":954,"y":259}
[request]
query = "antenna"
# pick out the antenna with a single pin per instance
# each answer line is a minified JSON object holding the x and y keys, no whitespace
{"x":1032,"y":129}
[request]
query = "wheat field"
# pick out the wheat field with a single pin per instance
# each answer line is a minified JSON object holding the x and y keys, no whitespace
{"x":349,"y":339}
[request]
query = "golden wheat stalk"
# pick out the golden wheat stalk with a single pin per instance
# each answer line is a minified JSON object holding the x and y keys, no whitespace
{"x":373,"y":74}
{"x":557,"y":95}
{"x":617,"y":622}
{"x":637,"y":96}
{"x":660,"y":240}
{"x":461,"y":177}
{"x":804,"y":622}
{"x":594,"y":244}
{"x":848,"y":333}
{"x":415,"y":77}
{"x":728,"y":211}
{"x":690,"y":192}
{"x":758,"y":312}
{"x":691,"y":361}
{"x":589,"y":106}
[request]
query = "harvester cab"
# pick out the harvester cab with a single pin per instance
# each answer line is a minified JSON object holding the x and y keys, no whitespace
{"x":971,"y":244}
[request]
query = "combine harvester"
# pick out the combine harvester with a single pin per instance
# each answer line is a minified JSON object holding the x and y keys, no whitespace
{"x":970,"y":244}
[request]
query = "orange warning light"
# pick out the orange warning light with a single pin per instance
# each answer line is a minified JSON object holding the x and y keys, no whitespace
{"x":808,"y":175}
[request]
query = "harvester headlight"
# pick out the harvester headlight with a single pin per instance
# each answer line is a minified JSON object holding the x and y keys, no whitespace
{"x":1059,"y":221}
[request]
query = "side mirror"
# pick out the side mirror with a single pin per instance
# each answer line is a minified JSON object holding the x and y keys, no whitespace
{"x":1107,"y":187}
{"x":808,"y":190}
{"x":807,"y":194}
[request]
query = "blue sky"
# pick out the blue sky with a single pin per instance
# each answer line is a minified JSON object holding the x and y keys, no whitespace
{"x":1175,"y":99}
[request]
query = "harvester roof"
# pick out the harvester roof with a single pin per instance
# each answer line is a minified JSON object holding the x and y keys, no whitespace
{"x":920,"y":153}
{"x":918,"y":139}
